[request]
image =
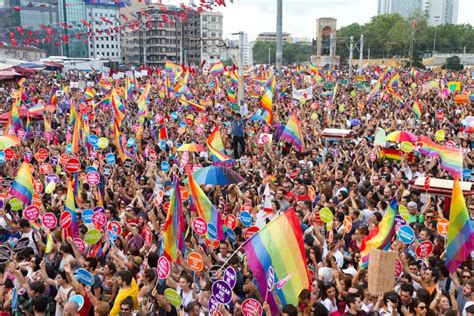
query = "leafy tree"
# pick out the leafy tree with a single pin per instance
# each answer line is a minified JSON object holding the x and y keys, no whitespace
{"x":292,"y":53}
{"x":453,"y":63}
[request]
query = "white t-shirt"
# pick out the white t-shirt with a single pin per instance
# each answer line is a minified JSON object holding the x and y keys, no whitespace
{"x":330,"y":306}
{"x":186,"y":297}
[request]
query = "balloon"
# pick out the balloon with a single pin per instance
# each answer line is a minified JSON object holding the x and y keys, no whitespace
{"x":439,"y":135}
{"x":50,"y":187}
{"x":406,"y":147}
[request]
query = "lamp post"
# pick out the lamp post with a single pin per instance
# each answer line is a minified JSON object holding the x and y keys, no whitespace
{"x":435,"y":33}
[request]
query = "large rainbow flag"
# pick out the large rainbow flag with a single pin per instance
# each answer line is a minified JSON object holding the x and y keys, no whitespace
{"x":217,"y":68}
{"x":215,"y":145}
{"x":417,"y":109}
{"x":267,"y":101}
{"x":204,"y":207}
{"x":381,"y":236}
{"x":174,"y":225}
{"x":292,"y":133}
{"x":118,"y":106}
{"x":14,"y":121}
{"x":460,"y":230}
{"x":73,"y":229}
{"x":451,"y":158}
{"x":279,"y":244}
{"x":22,"y":187}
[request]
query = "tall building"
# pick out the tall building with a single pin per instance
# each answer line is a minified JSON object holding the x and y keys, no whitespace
{"x":441,"y":11}
{"x":105,"y":29}
{"x":74,"y":32}
{"x":271,"y":37}
{"x":234,"y":53}
{"x":405,"y":8}
{"x":212,"y":48}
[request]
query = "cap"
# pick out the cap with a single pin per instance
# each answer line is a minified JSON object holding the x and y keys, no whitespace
{"x":412,"y":204}
{"x":350,"y":271}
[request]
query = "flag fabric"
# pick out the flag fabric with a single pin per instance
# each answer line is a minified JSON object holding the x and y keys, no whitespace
{"x":76,"y":135}
{"x":173,"y":231}
{"x":22,"y":186}
{"x":454,"y":86}
{"x":234,"y":78}
{"x":460,"y":242}
{"x":267,"y":101}
{"x":14,"y":121}
{"x":193,"y":105}
{"x":381,"y":236}
{"x":70,"y":206}
{"x":118,"y":107}
{"x":215,"y":145}
{"x":280,"y":245}
{"x":89,"y":94}
{"x":128,"y":89}
{"x":395,"y":95}
{"x":106,"y":85}
{"x":142,"y":108}
{"x":72,"y":113}
{"x":204,"y":207}
{"x":28,"y":127}
{"x":395,"y":154}
{"x":373,"y":93}
{"x":231,"y":96}
{"x":53,"y":99}
{"x":394,"y":82}
{"x":217,"y":68}
{"x":293,"y":134}
{"x":118,"y":142}
{"x":417,"y":109}
{"x":38,"y":108}
{"x":451,"y":158}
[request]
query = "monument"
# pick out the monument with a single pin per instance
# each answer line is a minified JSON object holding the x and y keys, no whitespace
{"x":325,"y":43}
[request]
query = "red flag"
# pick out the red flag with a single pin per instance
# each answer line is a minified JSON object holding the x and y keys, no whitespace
{"x":30,"y":33}
{"x":203,"y":63}
{"x":20,"y":30}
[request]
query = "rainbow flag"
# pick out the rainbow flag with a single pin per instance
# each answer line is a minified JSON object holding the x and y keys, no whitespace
{"x":173,"y":231}
{"x":417,"y":109}
{"x":118,"y":142}
{"x":292,"y":133}
{"x":72,"y":230}
{"x":279,"y":244}
{"x":167,"y":87}
{"x":217,"y":68}
{"x":72,"y":113}
{"x":106,"y":85}
{"x":460,"y":230}
{"x":193,"y":105}
{"x":38,"y":108}
{"x":117,"y":105}
{"x":14,"y":121}
{"x":234,"y":78}
{"x":28,"y":127}
{"x":142,"y":108}
{"x":89,"y":94}
{"x":53,"y":99}
{"x":22,"y":187}
{"x":451,"y":159}
{"x":215,"y":145}
{"x":76,"y":135}
{"x":231,"y":96}
{"x":373,"y":93}
{"x":381,"y":236}
{"x":394,"y":82}
{"x":96,"y":250}
{"x":128,"y":89}
{"x":204,"y":207}
{"x":395,"y":95}
{"x":267,"y":101}
{"x":47,"y":125}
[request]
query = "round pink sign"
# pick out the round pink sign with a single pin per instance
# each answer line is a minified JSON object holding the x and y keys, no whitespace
{"x":93,"y":178}
{"x":199,"y":226}
{"x":163,"y":267}
{"x":65,"y":220}
{"x":80,"y":244}
{"x":99,"y":219}
{"x":49,"y":220}
{"x":31,"y":213}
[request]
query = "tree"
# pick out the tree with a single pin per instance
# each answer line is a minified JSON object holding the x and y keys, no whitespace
{"x":453,"y":63}
{"x":292,"y":52}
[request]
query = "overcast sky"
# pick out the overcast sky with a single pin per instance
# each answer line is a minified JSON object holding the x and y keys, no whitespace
{"x":299,"y":16}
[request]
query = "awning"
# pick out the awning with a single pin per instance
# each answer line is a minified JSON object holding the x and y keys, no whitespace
{"x":31,"y":65}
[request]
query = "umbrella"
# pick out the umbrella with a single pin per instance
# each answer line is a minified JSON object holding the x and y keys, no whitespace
{"x":216,"y":175}
{"x":401,"y":136}
{"x":191,"y":147}
{"x":8,"y":141}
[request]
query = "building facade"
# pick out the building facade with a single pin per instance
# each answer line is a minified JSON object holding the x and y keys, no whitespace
{"x":212,"y":48}
{"x":105,"y":30}
{"x":441,"y":11}
{"x":405,"y":8}
{"x":233,"y":52}
{"x":22,"y":53}
{"x":271,"y":37}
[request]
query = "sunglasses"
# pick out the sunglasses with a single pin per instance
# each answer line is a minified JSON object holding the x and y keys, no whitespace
{"x":466,"y":276}
{"x":422,"y":307}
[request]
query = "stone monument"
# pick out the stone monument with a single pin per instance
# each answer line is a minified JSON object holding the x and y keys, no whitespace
{"x":325,"y":43}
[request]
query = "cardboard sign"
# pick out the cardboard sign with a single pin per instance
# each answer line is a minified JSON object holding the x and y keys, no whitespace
{"x":73,"y":165}
{"x":5,"y":254}
{"x":65,"y":220}
{"x":93,"y":178}
{"x":99,"y":219}
{"x":424,"y":249}
{"x":41,"y":155}
{"x":21,"y":244}
{"x":381,"y":271}
{"x":49,"y":220}
{"x":222,"y":292}
{"x":213,"y":272}
{"x":230,"y":276}
{"x":115,"y":227}
{"x":84,"y":276}
{"x":195,"y":262}
{"x":80,"y":244}
{"x":92,"y":236}
{"x":172,"y":297}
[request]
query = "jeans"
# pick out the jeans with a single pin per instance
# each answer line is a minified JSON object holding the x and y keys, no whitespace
{"x":236,"y":140}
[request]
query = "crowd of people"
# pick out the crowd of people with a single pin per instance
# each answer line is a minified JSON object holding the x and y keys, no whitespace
{"x":342,"y":175}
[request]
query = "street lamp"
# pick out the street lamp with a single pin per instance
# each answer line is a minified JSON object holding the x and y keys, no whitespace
{"x":436,"y":29}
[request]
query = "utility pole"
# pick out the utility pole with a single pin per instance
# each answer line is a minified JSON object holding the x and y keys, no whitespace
{"x":351,"y":54}
{"x":269,"y":56}
{"x":183,"y":54}
{"x":279,"y":36}
{"x":361,"y":53}
{"x":240,"y":96}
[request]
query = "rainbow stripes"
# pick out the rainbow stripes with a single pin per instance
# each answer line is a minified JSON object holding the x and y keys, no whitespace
{"x":292,"y":133}
{"x":117,"y":105}
{"x":267,"y":101}
{"x":217,"y":68}
{"x":76,"y":135}
{"x":173,"y":231}
{"x":28,"y":127}
{"x":381,"y":236}
{"x":451,"y":159}
{"x":417,"y":109}
{"x":394,"y":82}
{"x":128,"y":89}
{"x":106,"y":85}
{"x":89,"y":94}
{"x":22,"y":187}
{"x":38,"y":108}
{"x":373,"y":93}
{"x":118,"y":143}
{"x":279,"y":244}
{"x":72,"y":230}
{"x":72,"y":113}
{"x":14,"y":121}
{"x":460,"y":231}
{"x":193,"y":105}
{"x":142,"y":108}
{"x":215,"y":145}
{"x":204,"y":206}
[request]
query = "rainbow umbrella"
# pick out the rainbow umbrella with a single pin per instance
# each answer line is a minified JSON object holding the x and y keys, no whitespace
{"x":8,"y":141}
{"x":216,"y":175}
{"x":191,"y":147}
{"x":401,"y":136}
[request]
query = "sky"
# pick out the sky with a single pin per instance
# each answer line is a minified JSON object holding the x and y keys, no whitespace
{"x":299,"y":16}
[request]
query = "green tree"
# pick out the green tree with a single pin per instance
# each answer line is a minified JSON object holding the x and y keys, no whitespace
{"x":260,"y":52}
{"x":453,"y":63}
{"x":292,"y":53}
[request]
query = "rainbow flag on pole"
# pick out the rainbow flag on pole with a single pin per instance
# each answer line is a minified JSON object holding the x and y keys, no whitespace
{"x":193,"y":105}
{"x":13,"y":121}
{"x":267,"y":101}
{"x":460,"y":230}
{"x":72,"y":230}
{"x":22,"y":187}
{"x":217,"y":68}
{"x":279,"y":244}
{"x":204,"y":207}
{"x":118,"y":142}
{"x":117,"y":105}
{"x":292,"y":133}
{"x":174,"y":225}
{"x":451,"y":158}
{"x":76,"y":135}
{"x":381,"y":236}
{"x":215,"y":145}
